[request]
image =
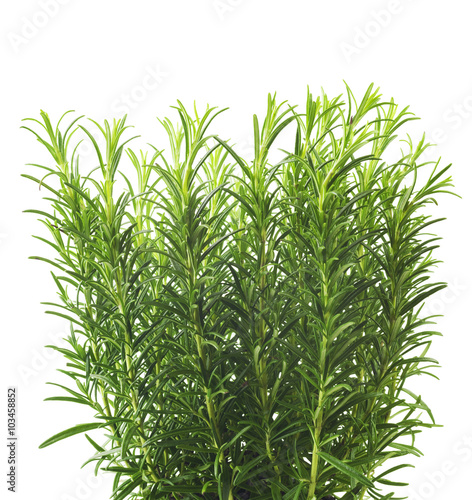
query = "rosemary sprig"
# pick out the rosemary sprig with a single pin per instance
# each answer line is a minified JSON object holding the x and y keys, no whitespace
{"x":244,"y":329}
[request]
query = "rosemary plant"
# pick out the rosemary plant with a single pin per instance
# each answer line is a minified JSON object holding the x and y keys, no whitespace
{"x":244,"y":329}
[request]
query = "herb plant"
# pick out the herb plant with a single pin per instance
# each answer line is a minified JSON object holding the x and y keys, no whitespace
{"x":246,"y":328}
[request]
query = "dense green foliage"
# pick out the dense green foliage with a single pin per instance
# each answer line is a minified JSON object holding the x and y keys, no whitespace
{"x":244,"y":328}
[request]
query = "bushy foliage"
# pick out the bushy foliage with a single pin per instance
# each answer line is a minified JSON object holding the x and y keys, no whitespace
{"x":244,"y":328}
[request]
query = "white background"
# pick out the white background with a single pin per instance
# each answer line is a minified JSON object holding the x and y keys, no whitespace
{"x":103,"y":58}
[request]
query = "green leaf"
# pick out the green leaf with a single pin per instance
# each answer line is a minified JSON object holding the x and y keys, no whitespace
{"x":346,"y":469}
{"x":71,"y":432}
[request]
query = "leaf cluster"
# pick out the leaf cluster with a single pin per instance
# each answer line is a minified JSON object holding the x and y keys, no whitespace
{"x":243,"y":328}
